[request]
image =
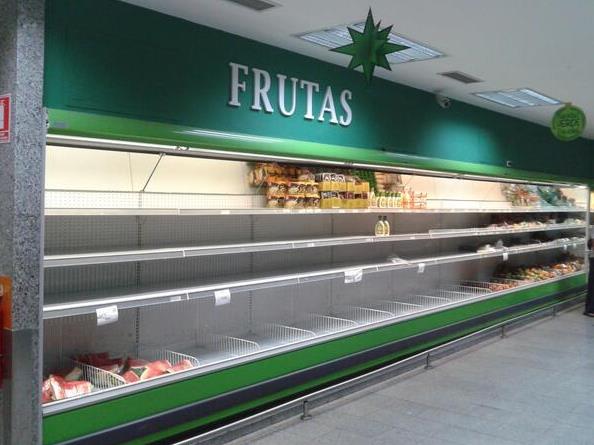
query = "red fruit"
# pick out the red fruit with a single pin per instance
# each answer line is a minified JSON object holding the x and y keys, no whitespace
{"x":181,"y":366}
{"x":131,"y":377}
{"x":136,"y":363}
{"x":74,"y":374}
{"x":155,"y":369}
{"x":46,"y":392}
{"x":77,"y":388}
{"x":56,"y":384}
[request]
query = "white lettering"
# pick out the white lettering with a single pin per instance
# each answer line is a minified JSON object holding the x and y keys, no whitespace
{"x":261,"y":90}
{"x":328,"y":107}
{"x":281,"y":94}
{"x":236,"y":85}
{"x":309,"y":87}
{"x":262,"y":85}
{"x":345,"y":96}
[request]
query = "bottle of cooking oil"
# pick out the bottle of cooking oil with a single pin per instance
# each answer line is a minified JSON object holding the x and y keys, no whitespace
{"x":379,"y":227}
{"x":386,"y":226}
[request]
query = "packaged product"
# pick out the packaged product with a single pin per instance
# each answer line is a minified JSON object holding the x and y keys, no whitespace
{"x":294,"y":188}
{"x":291,"y":201}
{"x":275,"y":201}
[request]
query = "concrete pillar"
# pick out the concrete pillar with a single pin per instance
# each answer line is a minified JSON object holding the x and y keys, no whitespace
{"x":21,"y":215}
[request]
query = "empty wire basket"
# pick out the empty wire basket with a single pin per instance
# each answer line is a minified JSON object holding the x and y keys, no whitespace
{"x":324,"y":325}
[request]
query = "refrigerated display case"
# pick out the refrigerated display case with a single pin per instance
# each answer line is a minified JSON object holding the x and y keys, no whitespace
{"x":175,"y":290}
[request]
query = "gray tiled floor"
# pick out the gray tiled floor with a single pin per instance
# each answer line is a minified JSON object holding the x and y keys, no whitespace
{"x":534,"y":387}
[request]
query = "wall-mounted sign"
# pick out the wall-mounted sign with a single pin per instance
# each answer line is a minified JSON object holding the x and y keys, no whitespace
{"x":568,"y":123}
{"x":5,"y":119}
{"x":334,"y":108}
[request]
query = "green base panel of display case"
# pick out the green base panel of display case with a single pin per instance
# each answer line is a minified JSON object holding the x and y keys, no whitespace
{"x":126,"y":416}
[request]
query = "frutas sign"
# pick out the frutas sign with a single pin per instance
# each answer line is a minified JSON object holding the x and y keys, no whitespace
{"x":333,"y":109}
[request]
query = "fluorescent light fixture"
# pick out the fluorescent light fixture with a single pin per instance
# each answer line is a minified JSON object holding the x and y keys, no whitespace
{"x":339,"y":36}
{"x":522,"y":97}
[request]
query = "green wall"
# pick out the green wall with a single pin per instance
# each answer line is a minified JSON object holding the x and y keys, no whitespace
{"x":111,"y":58}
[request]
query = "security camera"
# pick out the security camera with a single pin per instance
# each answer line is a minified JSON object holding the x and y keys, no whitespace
{"x":443,"y":102}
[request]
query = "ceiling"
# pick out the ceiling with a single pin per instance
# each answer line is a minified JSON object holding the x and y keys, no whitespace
{"x":545,"y":45}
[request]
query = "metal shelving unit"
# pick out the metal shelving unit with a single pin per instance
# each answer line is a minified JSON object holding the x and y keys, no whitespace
{"x":81,"y":259}
{"x":255,"y":211}
{"x":215,"y":278}
{"x":77,"y":303}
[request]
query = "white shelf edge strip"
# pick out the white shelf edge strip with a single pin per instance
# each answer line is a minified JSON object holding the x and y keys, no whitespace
{"x":183,"y":252}
{"x":252,"y":211}
{"x":180,"y":294}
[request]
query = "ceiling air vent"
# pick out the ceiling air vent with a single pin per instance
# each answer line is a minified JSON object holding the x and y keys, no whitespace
{"x":460,"y":77}
{"x":256,"y":5}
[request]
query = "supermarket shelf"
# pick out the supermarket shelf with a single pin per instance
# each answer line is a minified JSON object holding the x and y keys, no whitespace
{"x":88,"y":303}
{"x":224,"y":249}
{"x":264,"y":211}
{"x":217,"y":352}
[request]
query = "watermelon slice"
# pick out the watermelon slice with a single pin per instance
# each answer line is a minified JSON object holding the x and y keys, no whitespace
{"x":74,"y":374}
{"x":80,"y":387}
{"x":155,"y":369}
{"x":136,"y":363}
{"x":46,"y":391}
{"x":61,"y":389}
{"x":130,"y":376}
{"x":56,"y":384}
{"x":114,"y":368}
{"x":182,"y":365}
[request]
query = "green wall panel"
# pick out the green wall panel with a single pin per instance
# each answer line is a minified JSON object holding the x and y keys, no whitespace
{"x":108,"y":57}
{"x":75,"y":423}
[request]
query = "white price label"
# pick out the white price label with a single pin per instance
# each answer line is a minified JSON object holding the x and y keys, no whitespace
{"x":311,"y":244}
{"x":353,"y":276}
{"x":107,"y":315}
{"x":564,"y":247}
{"x":421,"y":268}
{"x":505,"y":256}
{"x":222,"y":297}
{"x":225,"y":212}
{"x":176,"y":298}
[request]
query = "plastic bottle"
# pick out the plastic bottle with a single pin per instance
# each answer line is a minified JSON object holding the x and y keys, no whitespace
{"x":390,"y":203}
{"x":386,"y":226}
{"x":382,"y":201}
{"x":372,"y":199}
{"x":398,"y":200}
{"x":379,"y":227}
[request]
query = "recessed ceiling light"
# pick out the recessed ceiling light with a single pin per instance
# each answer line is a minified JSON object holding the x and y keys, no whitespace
{"x":460,"y":77}
{"x":256,"y":5}
{"x":523,"y":97}
{"x":339,"y":36}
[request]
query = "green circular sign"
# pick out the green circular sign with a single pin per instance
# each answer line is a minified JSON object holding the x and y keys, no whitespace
{"x":568,"y":123}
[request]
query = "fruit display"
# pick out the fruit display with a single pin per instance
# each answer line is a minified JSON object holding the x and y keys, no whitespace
{"x":116,"y":371}
{"x":540,"y":273}
{"x":525,"y":195}
{"x":59,"y":387}
{"x":512,"y":222}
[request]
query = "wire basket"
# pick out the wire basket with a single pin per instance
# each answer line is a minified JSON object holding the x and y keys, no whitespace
{"x":274,"y":335}
{"x":363,"y":315}
{"x":397,"y":308}
{"x":234,"y":346}
{"x":166,"y":354}
{"x":424,"y":301}
{"x":324,"y":324}
{"x":100,"y":378}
